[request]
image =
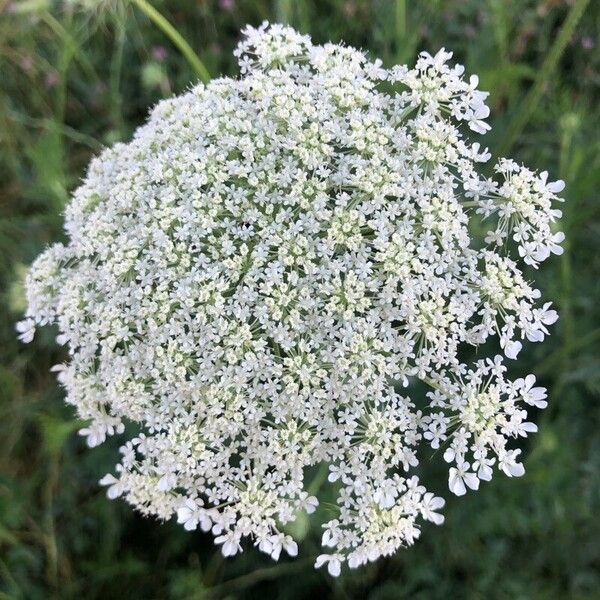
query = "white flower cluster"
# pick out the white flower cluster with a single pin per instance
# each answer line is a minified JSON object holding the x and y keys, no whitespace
{"x":258,"y":279}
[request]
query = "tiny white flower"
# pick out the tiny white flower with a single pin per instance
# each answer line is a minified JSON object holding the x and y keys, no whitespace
{"x":230,"y":543}
{"x":333,"y":562}
{"x":115,"y":486}
{"x":26,"y":330}
{"x":95,"y":434}
{"x":190,"y":514}
{"x":556,"y":186}
{"x":431,"y":504}
{"x":536,"y":396}
{"x":483,"y":467}
{"x":290,"y":546}
{"x":509,"y":465}
{"x":512,"y":349}
{"x":459,"y":477}
{"x":311,"y":504}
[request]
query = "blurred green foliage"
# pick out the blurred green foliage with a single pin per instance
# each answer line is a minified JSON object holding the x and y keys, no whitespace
{"x":79,"y":74}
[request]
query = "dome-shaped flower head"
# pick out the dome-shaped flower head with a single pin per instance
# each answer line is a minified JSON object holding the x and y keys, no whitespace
{"x":260,"y":279}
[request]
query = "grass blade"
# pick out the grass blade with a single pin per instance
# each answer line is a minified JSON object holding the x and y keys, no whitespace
{"x":532,"y":99}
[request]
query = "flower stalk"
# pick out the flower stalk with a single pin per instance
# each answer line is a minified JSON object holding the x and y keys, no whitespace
{"x":163,"y":24}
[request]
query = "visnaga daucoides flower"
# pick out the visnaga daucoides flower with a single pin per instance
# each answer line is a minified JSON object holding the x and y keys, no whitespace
{"x":258,"y":278}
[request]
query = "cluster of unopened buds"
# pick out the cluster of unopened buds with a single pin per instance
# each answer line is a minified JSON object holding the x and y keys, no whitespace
{"x":285,"y":272}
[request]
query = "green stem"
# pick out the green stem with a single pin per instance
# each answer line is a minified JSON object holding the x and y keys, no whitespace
{"x":49,"y":527}
{"x":175,"y":37}
{"x":527,"y":108}
{"x":66,"y":55}
{"x":566,"y":271}
{"x":244,"y":582}
{"x":116,"y":65}
{"x":401,"y":19}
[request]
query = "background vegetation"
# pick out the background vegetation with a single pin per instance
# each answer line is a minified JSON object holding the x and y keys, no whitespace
{"x":79,"y":74}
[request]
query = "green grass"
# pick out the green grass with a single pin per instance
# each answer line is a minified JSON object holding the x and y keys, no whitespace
{"x":76,"y":78}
